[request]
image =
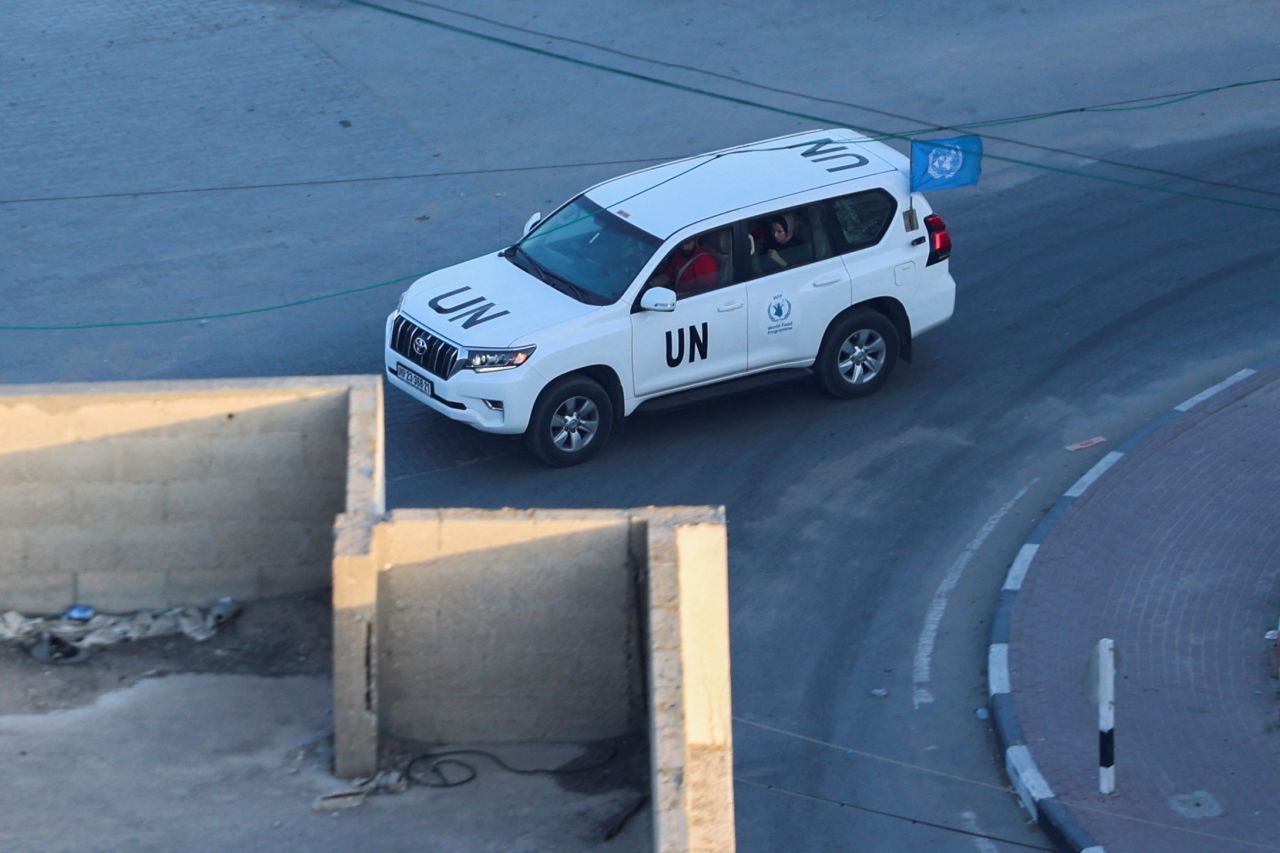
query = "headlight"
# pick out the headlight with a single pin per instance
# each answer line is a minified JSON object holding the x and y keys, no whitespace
{"x":400,"y":304}
{"x":489,"y":360}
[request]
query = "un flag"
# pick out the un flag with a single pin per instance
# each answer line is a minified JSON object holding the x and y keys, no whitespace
{"x":941,"y":163}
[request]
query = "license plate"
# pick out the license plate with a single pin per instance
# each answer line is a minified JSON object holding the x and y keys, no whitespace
{"x":406,"y":375}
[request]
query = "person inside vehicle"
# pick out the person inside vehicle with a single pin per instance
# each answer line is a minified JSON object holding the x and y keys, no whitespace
{"x":689,"y":269}
{"x":782,"y":247}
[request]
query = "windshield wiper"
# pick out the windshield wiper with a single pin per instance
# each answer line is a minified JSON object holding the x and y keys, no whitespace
{"x":521,"y":258}
{"x":577,"y":291}
{"x":525,"y":261}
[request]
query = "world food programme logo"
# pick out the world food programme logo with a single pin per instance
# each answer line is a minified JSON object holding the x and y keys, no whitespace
{"x":779,"y":309}
{"x":945,"y":163}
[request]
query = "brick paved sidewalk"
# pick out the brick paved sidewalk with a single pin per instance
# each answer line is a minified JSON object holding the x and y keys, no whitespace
{"x":1175,"y":553}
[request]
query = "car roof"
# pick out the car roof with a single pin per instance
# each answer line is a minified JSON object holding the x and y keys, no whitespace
{"x":666,"y":198}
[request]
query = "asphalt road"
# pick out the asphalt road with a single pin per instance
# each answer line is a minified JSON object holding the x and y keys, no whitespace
{"x":164,"y":162}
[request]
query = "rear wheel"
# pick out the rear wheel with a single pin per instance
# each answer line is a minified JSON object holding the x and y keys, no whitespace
{"x":858,"y":354}
{"x":570,"y":423}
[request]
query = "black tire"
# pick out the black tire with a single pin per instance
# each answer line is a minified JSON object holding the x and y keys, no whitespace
{"x":571,"y":422}
{"x":858,"y":354}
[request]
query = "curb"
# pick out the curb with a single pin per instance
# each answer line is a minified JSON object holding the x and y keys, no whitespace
{"x":1053,"y":817}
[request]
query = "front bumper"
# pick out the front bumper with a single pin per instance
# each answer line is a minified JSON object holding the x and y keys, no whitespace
{"x":498,"y":402}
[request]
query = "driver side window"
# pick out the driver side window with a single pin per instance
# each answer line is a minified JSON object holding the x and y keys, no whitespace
{"x":698,"y":264}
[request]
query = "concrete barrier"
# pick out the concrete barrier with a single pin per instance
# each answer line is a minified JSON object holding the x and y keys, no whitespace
{"x":450,"y":626}
{"x":140,"y":495}
{"x":465,"y":626}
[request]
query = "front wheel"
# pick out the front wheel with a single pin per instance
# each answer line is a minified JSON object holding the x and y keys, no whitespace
{"x":858,"y":354}
{"x":570,"y":423}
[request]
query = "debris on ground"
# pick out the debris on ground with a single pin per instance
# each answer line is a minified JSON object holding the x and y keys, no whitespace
{"x":70,"y":637}
{"x":386,"y":782}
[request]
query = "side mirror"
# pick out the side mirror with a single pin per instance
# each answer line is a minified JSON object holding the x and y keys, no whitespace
{"x":658,"y":299}
{"x":533,"y":220}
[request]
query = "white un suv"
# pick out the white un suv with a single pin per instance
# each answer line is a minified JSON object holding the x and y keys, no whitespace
{"x":806,"y":251}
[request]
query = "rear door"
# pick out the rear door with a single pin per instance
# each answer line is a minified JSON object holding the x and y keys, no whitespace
{"x":793,"y":289}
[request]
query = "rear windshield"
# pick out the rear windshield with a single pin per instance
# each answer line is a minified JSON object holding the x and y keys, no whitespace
{"x":591,"y":248}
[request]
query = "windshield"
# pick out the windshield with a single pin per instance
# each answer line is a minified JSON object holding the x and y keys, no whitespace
{"x":595,"y":251}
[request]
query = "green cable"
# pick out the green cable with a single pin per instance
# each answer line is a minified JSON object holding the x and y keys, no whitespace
{"x":870,"y":134}
{"x":297,"y":302}
{"x":219,"y":316}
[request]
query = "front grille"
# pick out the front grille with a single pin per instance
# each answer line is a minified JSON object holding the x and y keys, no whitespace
{"x":437,"y":356}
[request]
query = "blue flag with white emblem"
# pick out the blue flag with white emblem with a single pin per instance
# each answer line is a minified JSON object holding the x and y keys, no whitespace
{"x":939,"y":164}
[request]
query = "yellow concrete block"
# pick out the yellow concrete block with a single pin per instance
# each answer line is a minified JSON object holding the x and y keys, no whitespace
{"x":157,"y":459}
{"x":13,"y":552}
{"x":325,"y":454}
{"x":299,"y":498}
{"x":460,"y":535}
{"x":120,"y":504}
{"x":213,"y":500}
{"x":122,"y":591}
{"x":286,"y":579}
{"x":410,"y":537}
{"x":36,"y":594}
{"x":157,"y":548}
{"x":36,"y":505}
{"x":13,"y":467}
{"x":70,"y":548}
{"x":268,"y":544}
{"x":704,"y":632}
{"x":70,"y":462}
{"x":664,"y":628}
{"x":262,"y":455}
{"x":201,"y":589}
{"x":25,"y":424}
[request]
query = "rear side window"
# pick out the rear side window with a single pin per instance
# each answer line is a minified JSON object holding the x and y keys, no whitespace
{"x":787,"y":239}
{"x":862,"y":218}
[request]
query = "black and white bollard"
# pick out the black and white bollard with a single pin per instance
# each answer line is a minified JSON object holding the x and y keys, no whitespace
{"x":1106,"y":658}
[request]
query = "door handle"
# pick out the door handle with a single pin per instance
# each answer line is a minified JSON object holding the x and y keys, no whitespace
{"x":827,"y":282}
{"x":919,"y":241}
{"x":729,"y":306}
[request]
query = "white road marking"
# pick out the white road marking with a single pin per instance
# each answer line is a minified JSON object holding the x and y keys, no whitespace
{"x":998,"y":669}
{"x":921,"y":695}
{"x":1209,"y":392}
{"x":971,"y":824}
{"x":1093,"y":474}
{"x":1018,"y":571}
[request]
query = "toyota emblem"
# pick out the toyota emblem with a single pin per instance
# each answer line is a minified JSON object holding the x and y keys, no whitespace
{"x":419,"y":345}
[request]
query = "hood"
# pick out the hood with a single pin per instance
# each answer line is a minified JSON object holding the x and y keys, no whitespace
{"x":488,"y":302}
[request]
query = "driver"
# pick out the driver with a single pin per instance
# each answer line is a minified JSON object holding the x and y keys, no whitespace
{"x":689,"y":269}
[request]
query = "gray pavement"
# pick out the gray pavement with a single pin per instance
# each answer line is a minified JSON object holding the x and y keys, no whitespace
{"x":1174,"y":552}
{"x":239,"y":154}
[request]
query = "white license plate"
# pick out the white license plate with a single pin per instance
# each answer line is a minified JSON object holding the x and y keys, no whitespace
{"x":404,"y":374}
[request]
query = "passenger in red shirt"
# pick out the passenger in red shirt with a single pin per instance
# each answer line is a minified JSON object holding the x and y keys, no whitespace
{"x":689,"y":269}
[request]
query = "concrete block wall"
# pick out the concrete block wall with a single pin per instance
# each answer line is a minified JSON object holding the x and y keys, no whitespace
{"x":523,"y":627}
{"x":458,"y":626}
{"x":690,"y":697}
{"x":141,"y":495}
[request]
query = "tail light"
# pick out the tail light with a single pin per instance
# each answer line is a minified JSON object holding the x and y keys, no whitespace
{"x":939,"y":239}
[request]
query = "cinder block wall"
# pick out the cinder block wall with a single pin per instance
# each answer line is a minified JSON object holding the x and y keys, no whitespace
{"x":512,"y":627}
{"x":488,"y":626}
{"x":141,"y":495}
{"x":690,"y":696}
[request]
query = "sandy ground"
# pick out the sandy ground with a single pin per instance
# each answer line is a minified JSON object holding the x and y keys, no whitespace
{"x":169,"y":744}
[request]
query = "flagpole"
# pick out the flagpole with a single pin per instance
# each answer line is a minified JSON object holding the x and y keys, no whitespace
{"x":912,"y":223}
